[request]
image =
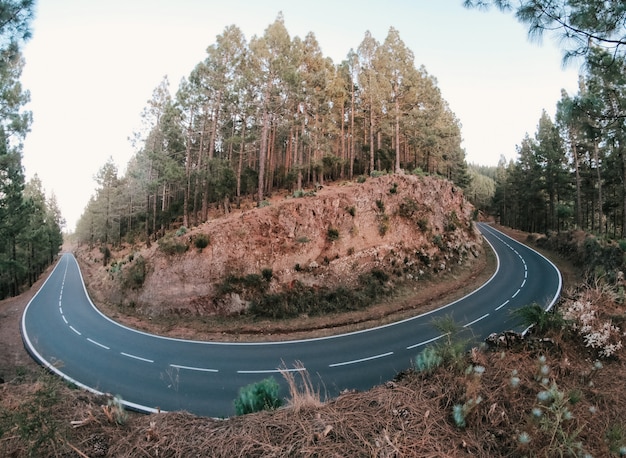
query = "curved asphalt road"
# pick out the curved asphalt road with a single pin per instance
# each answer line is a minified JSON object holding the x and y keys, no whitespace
{"x":64,"y":332}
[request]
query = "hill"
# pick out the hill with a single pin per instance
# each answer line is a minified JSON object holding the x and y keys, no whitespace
{"x":343,"y":250}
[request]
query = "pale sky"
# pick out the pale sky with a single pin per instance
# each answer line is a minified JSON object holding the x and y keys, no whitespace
{"x":92,"y":65}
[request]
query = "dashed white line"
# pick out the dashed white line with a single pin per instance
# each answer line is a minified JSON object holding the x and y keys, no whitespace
{"x":98,"y":344}
{"x":137,"y":357}
{"x":64,"y":319}
{"x":523,"y":283}
{"x":270,"y":371}
{"x":502,"y":305}
{"x":516,"y":293}
{"x":355,"y":361}
{"x":476,"y":320}
{"x":75,"y":330}
{"x":425,"y":342}
{"x":191,"y":368}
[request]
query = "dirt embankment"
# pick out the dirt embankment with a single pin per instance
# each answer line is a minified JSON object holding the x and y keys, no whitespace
{"x":417,"y":230}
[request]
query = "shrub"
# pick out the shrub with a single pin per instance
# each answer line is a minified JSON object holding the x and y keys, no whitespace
{"x":428,"y":360}
{"x":383,"y":225}
{"x":378,"y":173}
{"x":351,"y":210}
{"x":258,"y":396}
{"x":536,"y":316}
{"x":182,"y":230}
{"x":170,"y":245}
{"x":135,"y":274}
{"x":408,"y":207}
{"x":601,"y":335}
{"x":332,"y":234}
{"x":201,"y":241}
{"x":267,"y":274}
{"x":380,"y":205}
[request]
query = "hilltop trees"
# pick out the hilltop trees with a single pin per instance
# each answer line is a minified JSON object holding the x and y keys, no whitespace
{"x":275,"y":113}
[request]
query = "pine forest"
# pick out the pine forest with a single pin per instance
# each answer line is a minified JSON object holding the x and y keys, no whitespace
{"x":269,"y":114}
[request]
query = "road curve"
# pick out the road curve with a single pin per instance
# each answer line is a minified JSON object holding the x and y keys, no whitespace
{"x":65,"y":333}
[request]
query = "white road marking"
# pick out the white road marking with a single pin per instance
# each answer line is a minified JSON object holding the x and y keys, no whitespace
{"x":425,"y":342}
{"x":64,"y":319}
{"x":74,"y":329}
{"x":516,"y":293}
{"x":476,"y":320}
{"x":271,"y":371}
{"x":523,"y":283}
{"x":500,"y":306}
{"x":137,"y":357}
{"x":345,"y":363}
{"x":191,"y":368}
{"x":98,"y":344}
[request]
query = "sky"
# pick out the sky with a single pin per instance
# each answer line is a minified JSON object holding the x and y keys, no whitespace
{"x":91,"y":67}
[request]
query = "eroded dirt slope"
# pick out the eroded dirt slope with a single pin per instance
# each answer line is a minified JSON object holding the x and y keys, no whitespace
{"x":408,"y":226}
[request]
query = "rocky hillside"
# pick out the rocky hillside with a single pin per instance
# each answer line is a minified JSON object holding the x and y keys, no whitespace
{"x":402,"y":228}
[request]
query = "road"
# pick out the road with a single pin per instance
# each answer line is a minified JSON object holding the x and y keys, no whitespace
{"x":64,"y":332}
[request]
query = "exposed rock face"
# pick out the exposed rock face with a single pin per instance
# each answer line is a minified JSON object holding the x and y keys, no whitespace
{"x":404,"y":225}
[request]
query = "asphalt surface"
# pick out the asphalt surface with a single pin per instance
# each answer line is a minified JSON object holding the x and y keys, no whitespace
{"x":64,"y":332}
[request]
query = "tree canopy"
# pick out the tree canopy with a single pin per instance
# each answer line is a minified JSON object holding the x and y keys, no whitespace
{"x":30,"y":224}
{"x":271,"y":113}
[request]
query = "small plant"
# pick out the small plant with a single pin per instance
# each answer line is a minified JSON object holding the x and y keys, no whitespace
{"x":460,"y":411}
{"x":394,"y":189}
{"x":303,"y":395}
{"x":303,"y":239}
{"x":115,"y":411}
{"x":171,"y":246}
{"x":182,"y":230}
{"x":351,"y":210}
{"x":332,"y":234}
{"x":380,"y":205}
{"x":378,"y":173}
{"x":428,"y":360}
{"x":267,"y":274}
{"x":361,"y":179}
{"x":258,"y":396}
{"x":601,"y":335}
{"x":135,"y":274}
{"x":536,"y":316}
{"x":383,"y":225}
{"x":616,"y":437}
{"x":408,"y":207}
{"x":201,"y":241}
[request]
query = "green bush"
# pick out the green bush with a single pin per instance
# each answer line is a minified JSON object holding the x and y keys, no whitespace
{"x":542,"y":320}
{"x":267,"y":274}
{"x":301,"y":299}
{"x":332,"y":234}
{"x":170,"y":245}
{"x":182,"y":230}
{"x":258,"y":396}
{"x":201,"y":241}
{"x":135,"y":274}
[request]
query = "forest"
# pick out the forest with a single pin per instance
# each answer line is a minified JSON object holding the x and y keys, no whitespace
{"x":270,"y":114}
{"x":571,"y":173}
{"x":30,"y":222}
